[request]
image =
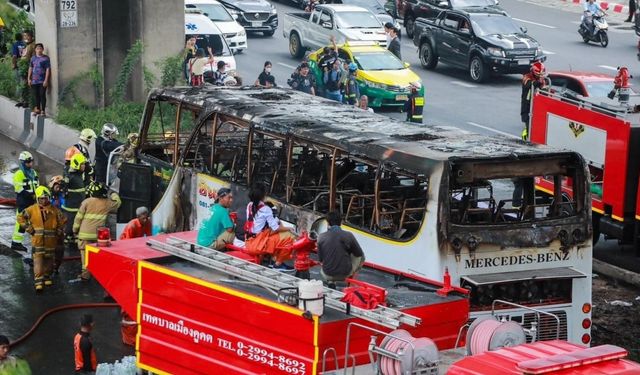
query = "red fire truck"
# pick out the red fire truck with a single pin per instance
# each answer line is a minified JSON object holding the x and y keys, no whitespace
{"x":607,"y":134}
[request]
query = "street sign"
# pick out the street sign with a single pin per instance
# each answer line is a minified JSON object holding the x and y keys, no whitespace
{"x":68,"y":13}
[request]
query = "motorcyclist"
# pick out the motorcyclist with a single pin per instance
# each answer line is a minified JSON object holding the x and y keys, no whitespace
{"x":530,"y":81}
{"x":591,"y":8}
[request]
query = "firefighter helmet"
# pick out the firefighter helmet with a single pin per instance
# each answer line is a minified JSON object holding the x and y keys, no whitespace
{"x":97,"y":190}
{"x":43,"y":192}
{"x":353,"y":67}
{"x":133,"y":138}
{"x":76,"y":161}
{"x":25,"y":156}
{"x":538,"y":70}
{"x":87,"y":135}
{"x":109,"y":130}
{"x":55,"y":180}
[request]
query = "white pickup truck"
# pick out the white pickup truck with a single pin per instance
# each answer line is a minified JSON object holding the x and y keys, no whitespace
{"x":344,"y":22}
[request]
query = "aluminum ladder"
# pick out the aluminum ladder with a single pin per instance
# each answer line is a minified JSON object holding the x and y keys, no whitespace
{"x":274,"y":279}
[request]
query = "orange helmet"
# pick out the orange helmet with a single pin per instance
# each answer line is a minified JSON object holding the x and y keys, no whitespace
{"x":68,"y":154}
{"x":538,"y":70}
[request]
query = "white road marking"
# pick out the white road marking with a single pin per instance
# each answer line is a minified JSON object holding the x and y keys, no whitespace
{"x":287,"y":65}
{"x":535,"y":23}
{"x":548,"y":52}
{"x":492,"y":130}
{"x":463,"y":84}
{"x":608,"y":67}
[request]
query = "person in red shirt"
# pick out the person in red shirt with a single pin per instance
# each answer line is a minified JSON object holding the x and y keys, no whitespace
{"x":138,"y":227}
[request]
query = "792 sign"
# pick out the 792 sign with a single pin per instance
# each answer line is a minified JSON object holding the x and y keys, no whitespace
{"x":68,"y":5}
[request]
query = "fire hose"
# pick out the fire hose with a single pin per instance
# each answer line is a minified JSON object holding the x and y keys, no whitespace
{"x":54,"y":310}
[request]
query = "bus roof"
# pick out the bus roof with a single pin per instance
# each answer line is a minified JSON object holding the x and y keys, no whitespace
{"x":288,"y":112}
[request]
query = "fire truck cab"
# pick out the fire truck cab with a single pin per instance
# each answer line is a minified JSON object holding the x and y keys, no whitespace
{"x":606,"y":133}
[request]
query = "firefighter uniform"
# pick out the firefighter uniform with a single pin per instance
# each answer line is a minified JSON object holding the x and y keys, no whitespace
{"x":414,"y":107}
{"x":92,"y":214}
{"x":25,"y":183}
{"x":74,"y":194}
{"x":45,"y":224}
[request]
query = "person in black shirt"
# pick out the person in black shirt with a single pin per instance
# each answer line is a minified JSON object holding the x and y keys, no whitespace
{"x":329,"y":55}
{"x":84,"y":352}
{"x":304,"y":81}
{"x":394,"y":44}
{"x":265,"y":79}
{"x":338,"y":251}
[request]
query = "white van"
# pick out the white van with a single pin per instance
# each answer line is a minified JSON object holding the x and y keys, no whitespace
{"x":208,"y":35}
{"x":233,"y":32}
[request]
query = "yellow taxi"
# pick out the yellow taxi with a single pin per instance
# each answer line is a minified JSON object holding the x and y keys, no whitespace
{"x":381,"y":75}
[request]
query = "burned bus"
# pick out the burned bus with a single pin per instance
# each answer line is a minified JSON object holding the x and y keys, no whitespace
{"x":418,"y":199}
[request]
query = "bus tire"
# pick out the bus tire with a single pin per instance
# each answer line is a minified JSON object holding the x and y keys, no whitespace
{"x":595,"y":220}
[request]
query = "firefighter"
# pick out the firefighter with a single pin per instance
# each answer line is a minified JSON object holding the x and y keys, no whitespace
{"x":74,"y":194}
{"x":93,"y":213}
{"x":140,"y":226}
{"x":25,"y":183}
{"x":87,"y":136}
{"x":45,"y":224}
{"x":84,"y":352}
{"x":530,"y":81}
{"x":105,"y":144}
{"x":414,"y":105}
{"x":57,"y":200}
{"x":351,"y":89}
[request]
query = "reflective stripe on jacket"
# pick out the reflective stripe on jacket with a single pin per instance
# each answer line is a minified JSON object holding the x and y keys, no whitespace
{"x":93,"y":213}
{"x":45,"y":224}
{"x":74,"y":191}
{"x":25,"y":189}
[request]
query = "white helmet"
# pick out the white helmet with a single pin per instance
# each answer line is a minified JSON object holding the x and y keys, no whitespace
{"x":25,"y":156}
{"x":109,"y":130}
{"x":87,"y":135}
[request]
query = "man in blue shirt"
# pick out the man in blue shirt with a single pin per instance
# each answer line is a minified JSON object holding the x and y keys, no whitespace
{"x":217,"y":230}
{"x":590,"y":9}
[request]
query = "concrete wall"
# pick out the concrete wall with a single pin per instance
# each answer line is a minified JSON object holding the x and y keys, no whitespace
{"x":106,"y":30}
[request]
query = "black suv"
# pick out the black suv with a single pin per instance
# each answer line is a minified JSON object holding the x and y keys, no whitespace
{"x":254,"y":15}
{"x":481,"y":41}
{"x":410,"y":10}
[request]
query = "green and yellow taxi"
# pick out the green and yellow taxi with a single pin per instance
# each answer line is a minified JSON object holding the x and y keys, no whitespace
{"x":381,"y":75}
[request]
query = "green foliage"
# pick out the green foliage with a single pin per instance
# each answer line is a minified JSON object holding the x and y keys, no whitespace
{"x":69,"y":95}
{"x":7,"y":79}
{"x":125,"y":115}
{"x":16,"y":21}
{"x":149,"y":78}
{"x":171,"y":70}
{"x":117,"y":93}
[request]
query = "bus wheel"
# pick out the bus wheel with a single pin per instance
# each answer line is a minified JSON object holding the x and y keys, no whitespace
{"x":595,"y":219}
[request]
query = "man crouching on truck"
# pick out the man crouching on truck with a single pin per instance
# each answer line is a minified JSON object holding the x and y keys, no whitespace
{"x":217,"y":231}
{"x":339,"y":251}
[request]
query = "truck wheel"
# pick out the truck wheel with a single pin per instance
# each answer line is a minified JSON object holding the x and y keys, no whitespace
{"x":409,"y":24}
{"x":595,"y":221}
{"x":295,"y":47}
{"x":428,"y":59}
{"x":478,"y":70}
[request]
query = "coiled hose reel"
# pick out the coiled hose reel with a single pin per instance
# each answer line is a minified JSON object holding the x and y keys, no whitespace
{"x":487,"y":333}
{"x":400,"y":353}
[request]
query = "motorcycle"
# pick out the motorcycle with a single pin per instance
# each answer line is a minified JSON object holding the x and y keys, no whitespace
{"x":599,"y":32}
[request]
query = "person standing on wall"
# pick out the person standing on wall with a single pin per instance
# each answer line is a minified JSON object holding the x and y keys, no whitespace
{"x":16,"y":53}
{"x":38,"y":79}
{"x":23,"y":66}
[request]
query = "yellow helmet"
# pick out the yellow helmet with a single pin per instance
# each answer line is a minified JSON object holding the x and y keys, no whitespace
{"x":76,"y":161}
{"x":87,"y":135}
{"x":43,"y":192}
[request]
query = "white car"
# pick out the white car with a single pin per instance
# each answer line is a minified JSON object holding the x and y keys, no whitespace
{"x":233,"y":32}
{"x":208,"y":35}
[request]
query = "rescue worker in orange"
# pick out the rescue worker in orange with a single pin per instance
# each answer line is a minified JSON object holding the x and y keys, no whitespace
{"x":45,"y":224}
{"x":414,"y":106}
{"x":84,"y":352}
{"x":93,"y":213}
{"x":138,"y":227}
{"x":265,"y":233}
{"x":87,"y":136}
{"x":535,"y":79}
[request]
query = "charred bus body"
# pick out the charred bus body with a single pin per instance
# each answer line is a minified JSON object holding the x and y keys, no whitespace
{"x":418,"y":200}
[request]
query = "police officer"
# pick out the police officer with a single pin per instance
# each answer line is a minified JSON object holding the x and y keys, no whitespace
{"x":25,"y":183}
{"x":530,"y":81}
{"x":414,"y":105}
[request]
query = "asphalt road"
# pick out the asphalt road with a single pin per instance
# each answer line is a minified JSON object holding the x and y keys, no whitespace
{"x":451,"y":97}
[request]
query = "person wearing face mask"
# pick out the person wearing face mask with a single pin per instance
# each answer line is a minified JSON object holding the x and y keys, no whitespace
{"x":265,"y":79}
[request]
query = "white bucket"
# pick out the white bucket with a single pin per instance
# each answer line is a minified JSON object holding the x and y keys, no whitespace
{"x":310,"y":295}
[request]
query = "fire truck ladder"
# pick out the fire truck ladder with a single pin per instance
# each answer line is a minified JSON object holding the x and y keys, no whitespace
{"x":274,"y":279}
